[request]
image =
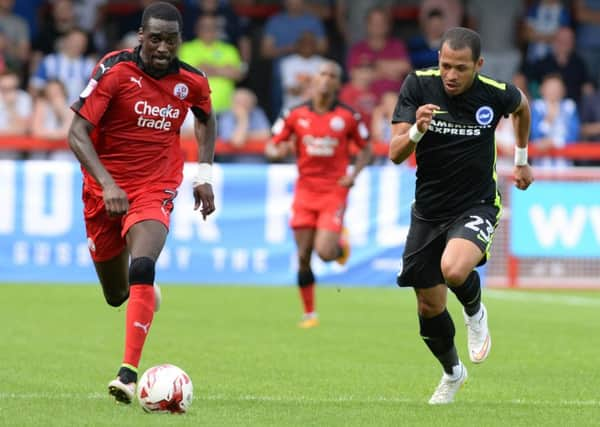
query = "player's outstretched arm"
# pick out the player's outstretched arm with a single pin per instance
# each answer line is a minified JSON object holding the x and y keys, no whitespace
{"x":406,"y":136}
{"x":522,"y":123}
{"x":206,"y":135}
{"x":115,"y":199}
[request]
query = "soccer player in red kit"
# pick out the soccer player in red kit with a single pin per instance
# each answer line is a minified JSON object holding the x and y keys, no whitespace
{"x":322,"y":131}
{"x":126,"y":136}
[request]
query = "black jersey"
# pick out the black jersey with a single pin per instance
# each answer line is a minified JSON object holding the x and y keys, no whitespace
{"x":456,"y":157}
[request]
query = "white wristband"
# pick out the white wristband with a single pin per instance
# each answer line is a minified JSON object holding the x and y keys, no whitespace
{"x":414,"y":134}
{"x":203,"y":175}
{"x":520,"y":156}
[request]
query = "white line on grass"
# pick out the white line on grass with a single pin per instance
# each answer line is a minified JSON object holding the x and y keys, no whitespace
{"x":303,"y":399}
{"x":542,"y":298}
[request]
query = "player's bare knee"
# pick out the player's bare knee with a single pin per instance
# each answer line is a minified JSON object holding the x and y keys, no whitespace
{"x":454,"y":275}
{"x":141,"y":271}
{"x":327,"y":253}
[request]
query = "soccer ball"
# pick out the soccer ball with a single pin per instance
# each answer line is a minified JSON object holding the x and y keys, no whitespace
{"x":165,"y":388}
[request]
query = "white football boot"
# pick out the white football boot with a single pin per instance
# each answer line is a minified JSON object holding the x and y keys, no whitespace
{"x":449,"y":385}
{"x":479,"y":341}
{"x":122,"y":392}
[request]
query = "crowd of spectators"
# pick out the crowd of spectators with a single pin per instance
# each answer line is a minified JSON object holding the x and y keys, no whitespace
{"x":260,"y":56}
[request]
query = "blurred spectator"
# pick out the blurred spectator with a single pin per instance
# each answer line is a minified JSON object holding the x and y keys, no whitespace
{"x":298,"y":69}
{"x":5,"y":60}
{"x":15,"y":110}
{"x":381,"y":122}
{"x":554,"y":121}
{"x":281,"y":32}
{"x":590,"y":124}
{"x":68,"y":65}
{"x":51,"y":119}
{"x":424,"y":47}
{"x":498,"y":23}
{"x":29,"y":10}
{"x":219,"y":60}
{"x":350,"y":17}
{"x":452,"y":10}
{"x":16,"y":31}
{"x":61,"y":21}
{"x":90,"y":17}
{"x":587,"y":18}
{"x":357,"y":92}
{"x":388,"y":55}
{"x":128,"y":19}
{"x":129,"y":41}
{"x":544,"y":18}
{"x":245,"y":121}
{"x":563,"y":60}
{"x":232,"y":28}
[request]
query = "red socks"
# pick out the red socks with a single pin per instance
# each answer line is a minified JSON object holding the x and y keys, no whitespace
{"x":308,"y":298}
{"x":140,"y":311}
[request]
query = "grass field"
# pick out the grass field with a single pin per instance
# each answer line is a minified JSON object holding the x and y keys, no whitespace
{"x":251,"y":365}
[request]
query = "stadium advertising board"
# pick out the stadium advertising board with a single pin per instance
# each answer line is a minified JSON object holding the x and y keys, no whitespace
{"x":556,"y":219}
{"x":246,"y":241}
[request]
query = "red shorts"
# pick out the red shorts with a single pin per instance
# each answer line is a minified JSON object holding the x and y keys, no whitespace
{"x":106,"y":234}
{"x":323,"y":210}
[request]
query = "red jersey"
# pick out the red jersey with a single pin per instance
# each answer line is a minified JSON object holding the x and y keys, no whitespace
{"x":137,"y":118}
{"x":322,"y":141}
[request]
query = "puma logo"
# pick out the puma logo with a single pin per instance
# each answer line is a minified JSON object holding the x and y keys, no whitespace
{"x":137,"y":81}
{"x":143,"y":327}
{"x":104,"y":68}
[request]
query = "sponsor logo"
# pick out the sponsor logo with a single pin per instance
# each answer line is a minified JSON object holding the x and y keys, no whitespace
{"x":142,"y":326}
{"x":484,"y":115}
{"x":448,"y":128}
{"x":181,"y":90}
{"x":137,"y":81}
{"x":91,"y":244}
{"x":160,"y":117}
{"x":104,"y":68}
{"x":304,"y":123}
{"x":320,"y":146}
{"x":337,"y":124}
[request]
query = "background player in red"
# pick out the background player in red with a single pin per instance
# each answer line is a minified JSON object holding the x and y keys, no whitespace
{"x":126,"y":136}
{"x":321,"y":130}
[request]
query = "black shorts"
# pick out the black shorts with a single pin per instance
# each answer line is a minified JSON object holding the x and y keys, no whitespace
{"x":426,"y":241}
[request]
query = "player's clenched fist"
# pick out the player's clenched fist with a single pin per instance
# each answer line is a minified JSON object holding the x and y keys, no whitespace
{"x":523,"y":177}
{"x":115,"y":200}
{"x":425,"y":115}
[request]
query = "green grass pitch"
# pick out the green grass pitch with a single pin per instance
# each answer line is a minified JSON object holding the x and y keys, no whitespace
{"x":251,"y":366}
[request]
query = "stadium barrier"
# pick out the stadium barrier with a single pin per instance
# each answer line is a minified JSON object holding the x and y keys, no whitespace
{"x":549,"y":236}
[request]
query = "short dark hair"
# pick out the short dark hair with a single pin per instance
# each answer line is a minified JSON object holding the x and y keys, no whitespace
{"x":460,"y":38}
{"x":162,"y":10}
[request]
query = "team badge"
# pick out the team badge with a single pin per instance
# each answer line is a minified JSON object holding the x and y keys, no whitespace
{"x":484,"y":115}
{"x":181,"y":90}
{"x":89,"y":88}
{"x":337,"y":124}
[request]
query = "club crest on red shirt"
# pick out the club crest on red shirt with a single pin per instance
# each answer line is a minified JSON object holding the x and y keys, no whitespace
{"x":337,"y":124}
{"x":181,"y":90}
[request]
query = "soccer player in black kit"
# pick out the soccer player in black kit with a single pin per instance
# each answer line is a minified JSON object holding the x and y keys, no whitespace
{"x":448,"y":116}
